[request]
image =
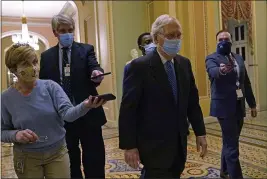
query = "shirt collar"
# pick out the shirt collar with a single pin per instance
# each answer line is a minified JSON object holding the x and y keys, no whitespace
{"x":60,"y":46}
{"x":163,"y":60}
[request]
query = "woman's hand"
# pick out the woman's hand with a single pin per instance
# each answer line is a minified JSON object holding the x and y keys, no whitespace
{"x":93,"y":102}
{"x":26,"y":136}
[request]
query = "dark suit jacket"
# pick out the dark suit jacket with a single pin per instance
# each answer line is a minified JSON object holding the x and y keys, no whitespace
{"x":83,"y":62}
{"x":126,"y":69}
{"x":149,"y":119}
{"x":223,"y":87}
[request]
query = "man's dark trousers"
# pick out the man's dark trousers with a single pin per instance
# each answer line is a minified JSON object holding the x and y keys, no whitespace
{"x":231,"y":129}
{"x":93,"y":150}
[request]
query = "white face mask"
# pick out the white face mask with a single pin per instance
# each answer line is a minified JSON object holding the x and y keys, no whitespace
{"x":28,"y":74}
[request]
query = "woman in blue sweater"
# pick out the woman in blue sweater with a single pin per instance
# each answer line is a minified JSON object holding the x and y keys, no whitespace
{"x":33,"y":115}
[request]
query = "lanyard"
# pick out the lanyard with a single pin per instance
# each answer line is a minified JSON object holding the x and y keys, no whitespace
{"x":231,"y":58}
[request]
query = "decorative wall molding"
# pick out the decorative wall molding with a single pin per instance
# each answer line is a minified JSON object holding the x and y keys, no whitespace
{"x":148,"y":12}
{"x":29,"y":19}
{"x":97,"y":48}
{"x":86,"y":28}
{"x":107,"y":58}
{"x":111,"y":45}
{"x":220,"y":15}
{"x":172,"y":8}
{"x":76,"y":19}
{"x":42,"y":38}
{"x":254,"y":56}
{"x":206,"y":33}
{"x":34,"y":24}
{"x":192,"y":32}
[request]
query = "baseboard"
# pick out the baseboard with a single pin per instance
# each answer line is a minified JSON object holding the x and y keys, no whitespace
{"x":111,"y":124}
{"x":209,"y":119}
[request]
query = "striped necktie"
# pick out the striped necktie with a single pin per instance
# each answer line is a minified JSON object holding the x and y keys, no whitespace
{"x":169,"y":67}
{"x":66,"y":82}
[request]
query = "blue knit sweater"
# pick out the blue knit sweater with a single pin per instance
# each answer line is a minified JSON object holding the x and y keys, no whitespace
{"x":43,"y":111}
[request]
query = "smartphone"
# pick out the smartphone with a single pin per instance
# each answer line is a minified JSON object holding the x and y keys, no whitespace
{"x":106,"y":97}
{"x":100,"y":75}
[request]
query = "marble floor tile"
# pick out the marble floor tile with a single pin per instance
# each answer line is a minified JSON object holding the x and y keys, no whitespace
{"x":253,"y":152}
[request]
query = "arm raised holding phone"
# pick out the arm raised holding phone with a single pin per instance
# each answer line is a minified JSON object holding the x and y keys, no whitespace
{"x":97,"y":76}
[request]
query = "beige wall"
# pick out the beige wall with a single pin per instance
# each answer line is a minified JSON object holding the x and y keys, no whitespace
{"x":129,"y":21}
{"x":87,"y":22}
{"x":260,"y":27}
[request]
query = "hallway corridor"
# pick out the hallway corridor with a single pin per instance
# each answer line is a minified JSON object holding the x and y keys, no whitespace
{"x":253,"y":152}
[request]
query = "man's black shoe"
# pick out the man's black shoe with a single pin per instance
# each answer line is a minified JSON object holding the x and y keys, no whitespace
{"x":224,"y":175}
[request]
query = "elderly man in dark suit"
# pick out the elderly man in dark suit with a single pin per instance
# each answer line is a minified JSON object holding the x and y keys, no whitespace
{"x":230,"y":87}
{"x":159,"y":95}
{"x":72,"y":65}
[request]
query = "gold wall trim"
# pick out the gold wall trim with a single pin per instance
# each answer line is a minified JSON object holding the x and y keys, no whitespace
{"x":172,"y":8}
{"x":86,"y":28}
{"x":206,"y":33}
{"x":111,"y":46}
{"x":97,"y":49}
{"x":254,"y":56}
{"x":201,"y":45}
{"x":107,"y":58}
{"x":148,"y":4}
{"x":192,"y":32}
{"x":220,"y":15}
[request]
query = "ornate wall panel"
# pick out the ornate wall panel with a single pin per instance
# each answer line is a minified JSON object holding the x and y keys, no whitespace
{"x":155,"y":9}
{"x":201,"y":46}
{"x":106,"y":55}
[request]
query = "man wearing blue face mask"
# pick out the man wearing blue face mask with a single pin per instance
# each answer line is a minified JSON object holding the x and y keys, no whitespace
{"x":159,"y":95}
{"x":230,"y":87}
{"x":145,"y":44}
{"x":72,"y":64}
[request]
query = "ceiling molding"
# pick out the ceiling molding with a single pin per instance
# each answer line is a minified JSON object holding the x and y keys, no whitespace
{"x":43,"y":9}
{"x":35,"y":24}
{"x":29,"y":19}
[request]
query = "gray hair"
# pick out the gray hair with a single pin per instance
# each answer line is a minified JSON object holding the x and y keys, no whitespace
{"x":61,"y":19}
{"x":160,"y":22}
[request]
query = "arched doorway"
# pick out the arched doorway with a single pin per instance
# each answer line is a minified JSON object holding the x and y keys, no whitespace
{"x":6,"y":42}
{"x":42,"y":38}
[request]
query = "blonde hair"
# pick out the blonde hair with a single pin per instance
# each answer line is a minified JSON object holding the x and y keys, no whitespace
{"x":18,"y":53}
{"x":59,"y":19}
{"x":160,"y":22}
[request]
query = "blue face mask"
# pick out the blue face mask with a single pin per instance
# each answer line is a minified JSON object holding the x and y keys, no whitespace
{"x":150,"y":47}
{"x":224,"y":47}
{"x":66,"y":39}
{"x":171,"y":47}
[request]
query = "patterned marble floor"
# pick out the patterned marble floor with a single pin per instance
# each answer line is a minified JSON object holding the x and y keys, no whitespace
{"x":253,"y":153}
